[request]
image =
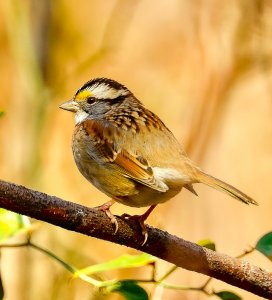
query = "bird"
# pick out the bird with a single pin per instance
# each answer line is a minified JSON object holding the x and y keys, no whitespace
{"x":128,"y":153}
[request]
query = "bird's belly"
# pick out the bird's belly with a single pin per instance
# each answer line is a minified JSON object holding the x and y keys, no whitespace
{"x":105,"y":178}
{"x":147,"y":196}
{"x":120,"y":188}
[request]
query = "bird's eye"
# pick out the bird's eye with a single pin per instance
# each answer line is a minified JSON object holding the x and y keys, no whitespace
{"x":90,"y":100}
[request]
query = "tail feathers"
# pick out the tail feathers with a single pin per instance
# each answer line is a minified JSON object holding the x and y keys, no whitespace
{"x":225,"y":187}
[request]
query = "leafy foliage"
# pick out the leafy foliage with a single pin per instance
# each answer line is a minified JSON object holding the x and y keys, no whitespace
{"x":11,"y":223}
{"x":130,"y":290}
{"x":122,"y":262}
{"x":207,"y":244}
{"x":264,"y":245}
{"x":225,"y":295}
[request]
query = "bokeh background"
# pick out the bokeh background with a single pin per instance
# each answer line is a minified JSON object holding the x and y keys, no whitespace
{"x":203,"y":66}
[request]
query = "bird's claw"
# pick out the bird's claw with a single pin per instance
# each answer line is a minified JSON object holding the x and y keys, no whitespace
{"x":106,"y":209}
{"x":112,"y":219}
{"x":140,"y":219}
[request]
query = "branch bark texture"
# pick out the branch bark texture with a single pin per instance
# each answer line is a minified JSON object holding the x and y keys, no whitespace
{"x":91,"y":222}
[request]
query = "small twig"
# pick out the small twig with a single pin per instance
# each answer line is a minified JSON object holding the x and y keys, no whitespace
{"x":203,"y":287}
{"x":55,"y":257}
{"x":96,"y":283}
{"x":154,"y":271}
{"x":43,"y":250}
{"x":168,"y":273}
{"x":171,"y":286}
{"x":246,"y":252}
{"x":70,"y":268}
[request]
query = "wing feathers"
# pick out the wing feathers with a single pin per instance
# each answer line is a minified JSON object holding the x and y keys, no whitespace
{"x":137,"y":168}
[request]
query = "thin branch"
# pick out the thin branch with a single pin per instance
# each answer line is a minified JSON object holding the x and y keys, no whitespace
{"x":246,"y":252}
{"x":168,"y":273}
{"x":67,"y":266}
{"x":108,"y":284}
{"x":175,"y":250}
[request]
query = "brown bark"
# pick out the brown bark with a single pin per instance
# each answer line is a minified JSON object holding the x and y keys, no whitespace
{"x":92,"y":222}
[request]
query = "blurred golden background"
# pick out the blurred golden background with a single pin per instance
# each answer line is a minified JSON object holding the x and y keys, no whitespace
{"x":203,"y":66}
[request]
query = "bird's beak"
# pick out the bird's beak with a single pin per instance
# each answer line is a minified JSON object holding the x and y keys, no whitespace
{"x":70,"y":105}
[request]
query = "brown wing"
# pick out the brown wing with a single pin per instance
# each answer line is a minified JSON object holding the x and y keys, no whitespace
{"x":137,"y":168}
{"x":103,"y":143}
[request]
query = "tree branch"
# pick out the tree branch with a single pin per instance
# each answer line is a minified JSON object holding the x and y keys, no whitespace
{"x":175,"y":250}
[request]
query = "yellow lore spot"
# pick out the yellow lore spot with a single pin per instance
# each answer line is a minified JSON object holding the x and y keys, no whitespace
{"x":83,"y":95}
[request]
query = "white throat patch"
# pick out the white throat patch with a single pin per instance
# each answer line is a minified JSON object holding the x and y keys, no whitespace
{"x":80,"y":116}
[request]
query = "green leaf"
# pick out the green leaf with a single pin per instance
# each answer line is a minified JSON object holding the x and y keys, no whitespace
{"x":225,"y":295}
{"x":130,"y":290}
{"x":122,"y":262}
{"x":264,"y":245}
{"x":11,"y":223}
{"x":207,"y":244}
{"x":1,"y":114}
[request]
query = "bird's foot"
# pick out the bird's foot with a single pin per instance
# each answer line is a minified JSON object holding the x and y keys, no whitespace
{"x":106,"y":208}
{"x":141,"y":220}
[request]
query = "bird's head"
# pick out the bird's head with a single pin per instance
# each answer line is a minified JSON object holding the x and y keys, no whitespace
{"x":96,"y":98}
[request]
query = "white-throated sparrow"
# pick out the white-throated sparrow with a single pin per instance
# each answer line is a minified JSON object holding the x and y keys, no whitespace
{"x":128,"y":153}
